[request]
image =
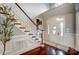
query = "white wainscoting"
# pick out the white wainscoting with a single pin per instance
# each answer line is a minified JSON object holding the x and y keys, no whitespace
{"x":65,"y":48}
{"x":61,"y":42}
{"x":77,"y":42}
{"x":19,"y":44}
{"x":66,"y":40}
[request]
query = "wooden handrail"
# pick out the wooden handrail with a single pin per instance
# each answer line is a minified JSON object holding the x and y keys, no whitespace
{"x":25,"y":14}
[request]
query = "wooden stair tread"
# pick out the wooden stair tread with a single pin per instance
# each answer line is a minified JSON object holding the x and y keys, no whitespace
{"x":17,"y":23}
{"x":33,"y":36}
{"x":22,"y":28}
{"x":26,"y":31}
{"x":30,"y":34}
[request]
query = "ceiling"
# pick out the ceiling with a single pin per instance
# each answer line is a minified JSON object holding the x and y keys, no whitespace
{"x":32,"y":9}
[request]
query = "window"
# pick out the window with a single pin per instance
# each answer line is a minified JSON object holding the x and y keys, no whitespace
{"x":61,"y":25}
{"x":61,"y":28}
{"x":48,"y":29}
{"x":54,"y":29}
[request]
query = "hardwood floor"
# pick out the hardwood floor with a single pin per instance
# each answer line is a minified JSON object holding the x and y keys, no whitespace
{"x":47,"y":50}
{"x":36,"y":51}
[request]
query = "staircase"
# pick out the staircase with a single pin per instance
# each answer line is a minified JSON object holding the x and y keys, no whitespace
{"x":25,"y":27}
{"x":21,"y":26}
{"x":25,"y":42}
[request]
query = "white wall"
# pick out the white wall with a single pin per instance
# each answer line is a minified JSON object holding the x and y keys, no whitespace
{"x":65,"y":11}
{"x":77,"y":26}
{"x":16,"y":31}
{"x":77,"y":31}
{"x":68,"y":38}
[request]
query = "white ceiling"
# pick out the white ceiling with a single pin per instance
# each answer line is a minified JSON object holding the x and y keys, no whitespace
{"x":34,"y":9}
